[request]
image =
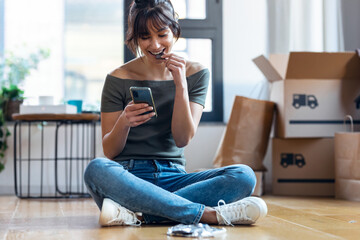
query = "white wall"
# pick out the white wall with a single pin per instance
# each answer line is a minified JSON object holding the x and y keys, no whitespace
{"x":244,"y":38}
{"x":202,"y":148}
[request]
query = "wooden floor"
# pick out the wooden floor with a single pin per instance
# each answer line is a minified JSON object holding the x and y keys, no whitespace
{"x":288,"y":218}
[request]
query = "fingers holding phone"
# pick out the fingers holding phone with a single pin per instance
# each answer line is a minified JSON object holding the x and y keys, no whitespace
{"x":137,"y":114}
{"x":142,"y":107}
{"x":143,"y":95}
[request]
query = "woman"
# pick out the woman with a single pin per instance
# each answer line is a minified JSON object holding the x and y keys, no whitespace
{"x":143,"y":178}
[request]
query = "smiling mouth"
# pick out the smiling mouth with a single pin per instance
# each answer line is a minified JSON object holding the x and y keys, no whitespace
{"x":158,"y":55}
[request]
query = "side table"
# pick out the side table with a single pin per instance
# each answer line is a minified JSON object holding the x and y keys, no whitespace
{"x":50,"y":163}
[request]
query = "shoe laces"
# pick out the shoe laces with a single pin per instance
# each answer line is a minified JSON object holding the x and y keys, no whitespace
{"x":232,"y":211}
{"x":125,"y":217}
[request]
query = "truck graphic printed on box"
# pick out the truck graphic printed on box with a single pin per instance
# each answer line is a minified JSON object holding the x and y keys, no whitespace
{"x":291,"y":159}
{"x":300,"y":100}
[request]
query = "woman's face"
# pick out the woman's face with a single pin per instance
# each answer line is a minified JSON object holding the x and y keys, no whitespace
{"x":156,"y":43}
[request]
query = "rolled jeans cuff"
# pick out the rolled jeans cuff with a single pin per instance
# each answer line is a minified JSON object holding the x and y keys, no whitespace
{"x":199,"y":215}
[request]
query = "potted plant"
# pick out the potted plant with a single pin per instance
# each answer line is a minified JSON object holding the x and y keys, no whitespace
{"x":11,"y":98}
{"x":13,"y":71}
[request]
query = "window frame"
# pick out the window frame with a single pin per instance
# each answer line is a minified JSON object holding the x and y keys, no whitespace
{"x":208,"y":28}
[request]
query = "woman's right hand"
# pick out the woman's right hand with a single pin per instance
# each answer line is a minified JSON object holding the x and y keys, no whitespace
{"x":132,"y":113}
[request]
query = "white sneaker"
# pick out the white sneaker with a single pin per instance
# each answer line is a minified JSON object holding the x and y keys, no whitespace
{"x":245,"y":211}
{"x":113,"y":214}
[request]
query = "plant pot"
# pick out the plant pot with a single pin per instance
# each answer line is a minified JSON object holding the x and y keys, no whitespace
{"x":12,"y":106}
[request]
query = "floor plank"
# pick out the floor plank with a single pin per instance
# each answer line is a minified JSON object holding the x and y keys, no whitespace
{"x":288,"y":218}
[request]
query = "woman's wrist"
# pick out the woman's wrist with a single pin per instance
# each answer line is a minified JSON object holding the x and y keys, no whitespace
{"x":181,"y":90}
{"x":122,"y":121}
{"x":181,"y":84}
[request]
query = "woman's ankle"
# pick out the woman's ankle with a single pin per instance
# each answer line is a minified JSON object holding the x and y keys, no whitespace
{"x":209,"y":216}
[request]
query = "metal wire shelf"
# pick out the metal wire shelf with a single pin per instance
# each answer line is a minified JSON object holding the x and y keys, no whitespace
{"x":53,"y":167}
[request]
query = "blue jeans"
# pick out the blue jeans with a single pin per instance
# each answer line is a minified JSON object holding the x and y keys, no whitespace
{"x":163,"y":191}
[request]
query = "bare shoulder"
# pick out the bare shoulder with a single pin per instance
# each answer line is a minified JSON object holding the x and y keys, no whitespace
{"x":120,"y":72}
{"x":126,"y":71}
{"x":193,"y":67}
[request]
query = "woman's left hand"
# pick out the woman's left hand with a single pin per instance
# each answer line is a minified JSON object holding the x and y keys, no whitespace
{"x":177,"y":67}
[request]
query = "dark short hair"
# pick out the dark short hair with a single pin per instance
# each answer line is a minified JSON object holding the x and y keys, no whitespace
{"x":160,"y":12}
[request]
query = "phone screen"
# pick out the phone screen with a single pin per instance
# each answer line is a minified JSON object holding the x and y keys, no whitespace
{"x":143,"y":95}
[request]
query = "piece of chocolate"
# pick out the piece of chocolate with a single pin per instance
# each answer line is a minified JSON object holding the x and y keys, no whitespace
{"x":158,"y":56}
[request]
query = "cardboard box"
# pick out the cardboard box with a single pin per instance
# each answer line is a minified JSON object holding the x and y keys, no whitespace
{"x":260,"y":184}
{"x":303,"y":167}
{"x":55,"y":109}
{"x":313,"y":92}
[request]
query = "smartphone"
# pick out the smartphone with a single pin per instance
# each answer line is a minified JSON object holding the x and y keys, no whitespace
{"x":143,"y":95}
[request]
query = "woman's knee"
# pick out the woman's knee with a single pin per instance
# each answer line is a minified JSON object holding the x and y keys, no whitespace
{"x":93,"y":168}
{"x":244,"y":175}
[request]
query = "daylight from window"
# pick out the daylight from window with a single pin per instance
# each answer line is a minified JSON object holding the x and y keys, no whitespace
{"x":85,"y":39}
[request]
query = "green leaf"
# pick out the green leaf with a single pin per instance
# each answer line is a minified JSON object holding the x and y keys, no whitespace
{"x":2,"y":167}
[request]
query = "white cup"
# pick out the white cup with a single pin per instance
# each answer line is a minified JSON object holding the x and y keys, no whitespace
{"x":46,"y":100}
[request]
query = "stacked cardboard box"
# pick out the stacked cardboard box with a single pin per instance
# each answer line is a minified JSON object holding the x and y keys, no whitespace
{"x":313,"y":92}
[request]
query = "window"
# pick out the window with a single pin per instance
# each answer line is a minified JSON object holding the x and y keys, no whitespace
{"x":201,"y":40}
{"x":85,"y":40}
{"x":187,"y":9}
{"x":40,"y":26}
{"x":93,"y":41}
{"x":199,"y":50}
